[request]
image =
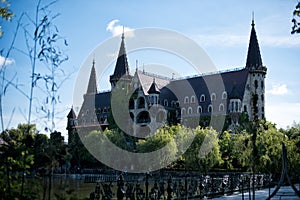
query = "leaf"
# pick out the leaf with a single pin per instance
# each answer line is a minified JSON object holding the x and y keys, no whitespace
{"x":66,"y":43}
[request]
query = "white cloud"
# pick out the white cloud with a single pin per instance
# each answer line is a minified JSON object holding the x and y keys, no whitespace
{"x":279,"y":89}
{"x":118,"y":29}
{"x":6,"y":62}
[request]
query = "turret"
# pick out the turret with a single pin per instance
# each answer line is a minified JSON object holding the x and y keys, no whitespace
{"x":257,"y":74}
{"x":153,"y":93}
{"x":71,"y":126}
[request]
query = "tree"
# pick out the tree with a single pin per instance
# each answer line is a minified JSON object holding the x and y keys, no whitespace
{"x":17,"y":154}
{"x":296,"y":23}
{"x":5,"y":13}
{"x":192,"y":157}
{"x":226,"y":143}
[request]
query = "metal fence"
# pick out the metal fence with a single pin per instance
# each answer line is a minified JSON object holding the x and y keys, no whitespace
{"x":174,"y":186}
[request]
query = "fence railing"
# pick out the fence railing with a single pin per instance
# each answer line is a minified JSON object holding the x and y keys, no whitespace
{"x":187,"y":186}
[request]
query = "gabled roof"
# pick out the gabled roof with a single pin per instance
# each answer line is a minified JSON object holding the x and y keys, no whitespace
{"x":92,"y":86}
{"x":146,"y":80}
{"x":234,"y":94}
{"x":253,"y":57}
{"x":153,"y":88}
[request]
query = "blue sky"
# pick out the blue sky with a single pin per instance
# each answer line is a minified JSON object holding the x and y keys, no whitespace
{"x":221,"y":28}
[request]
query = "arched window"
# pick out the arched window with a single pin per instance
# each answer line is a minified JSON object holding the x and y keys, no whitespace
{"x":192,"y":99}
{"x":173,"y":104}
{"x":165,"y":102}
{"x":131,"y":104}
{"x":186,"y":100}
{"x":183,"y":111}
{"x":141,"y":102}
{"x":245,"y":108}
{"x":255,"y":84}
{"x":262,"y":97}
{"x":213,"y":97}
{"x":199,"y":109}
{"x":224,"y":95}
{"x":236,"y":107}
{"x":210,"y":108}
{"x":87,"y":112}
{"x":202,"y":98}
{"x":232,"y":106}
{"x":98,"y":111}
{"x":190,"y":111}
{"x":221,"y":107}
{"x":101,"y":120}
{"x":262,"y":84}
{"x":143,"y":117}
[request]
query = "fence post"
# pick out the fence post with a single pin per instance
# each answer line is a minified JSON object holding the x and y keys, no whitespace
{"x":120,"y":190}
{"x":242,"y":183}
{"x":169,"y":188}
{"x":147,"y":185}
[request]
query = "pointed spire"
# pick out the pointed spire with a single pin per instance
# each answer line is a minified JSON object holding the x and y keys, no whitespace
{"x":121,"y":68}
{"x":253,"y":58}
{"x":153,"y":88}
{"x":71,"y":114}
{"x":92,"y":86}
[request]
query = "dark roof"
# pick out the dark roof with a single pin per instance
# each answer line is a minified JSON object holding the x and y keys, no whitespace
{"x":253,"y":58}
{"x":234,"y":94}
{"x":102,"y":100}
{"x":153,"y":88}
{"x":93,"y":102}
{"x":71,"y":114}
{"x":121,"y":67}
{"x":92,"y":86}
{"x":206,"y":85}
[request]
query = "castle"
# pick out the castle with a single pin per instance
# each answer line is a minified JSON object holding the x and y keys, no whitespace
{"x":155,"y":100}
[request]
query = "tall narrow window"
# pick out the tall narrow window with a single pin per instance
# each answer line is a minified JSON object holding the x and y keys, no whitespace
{"x":213,"y":96}
{"x":210,"y":108}
{"x":190,"y":110}
{"x":221,"y":107}
{"x":199,"y":110}
{"x":224,"y":95}
{"x":183,"y":112}
{"x":202,"y":98}
{"x":186,"y":100}
{"x":193,"y":99}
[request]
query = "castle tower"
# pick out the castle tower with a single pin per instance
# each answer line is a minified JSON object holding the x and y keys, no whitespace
{"x":255,"y":88}
{"x":121,"y":72}
{"x":71,"y":126}
{"x":153,"y":93}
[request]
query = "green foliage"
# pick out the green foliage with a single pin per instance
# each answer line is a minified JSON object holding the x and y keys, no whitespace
{"x":296,"y":24}
{"x":17,"y":155}
{"x":5,"y":13}
{"x":204,"y":153}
